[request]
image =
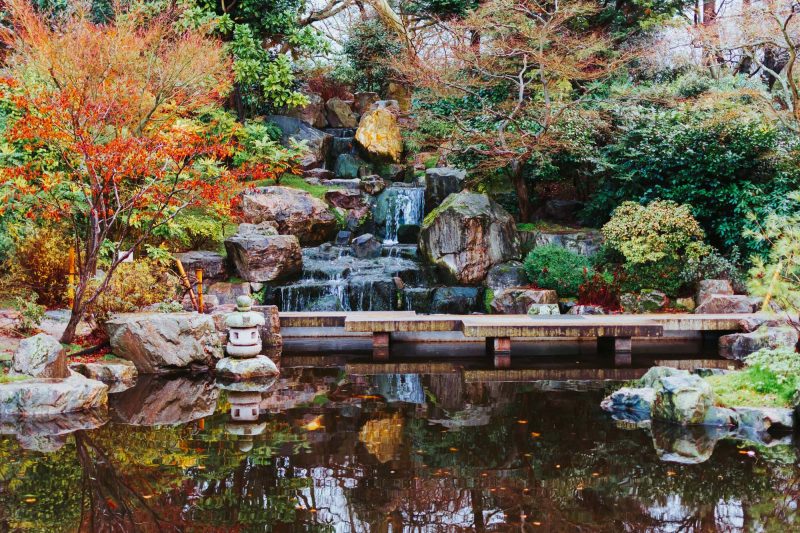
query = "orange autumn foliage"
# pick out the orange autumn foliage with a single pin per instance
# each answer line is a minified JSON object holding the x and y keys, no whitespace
{"x":107,"y":113}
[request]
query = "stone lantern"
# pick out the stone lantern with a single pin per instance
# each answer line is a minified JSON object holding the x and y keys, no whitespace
{"x":244,"y":338}
{"x":245,"y":361}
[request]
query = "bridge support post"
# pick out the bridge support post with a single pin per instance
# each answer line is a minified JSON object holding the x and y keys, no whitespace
{"x":619,"y":347}
{"x":500,"y":349}
{"x":381,"y":342}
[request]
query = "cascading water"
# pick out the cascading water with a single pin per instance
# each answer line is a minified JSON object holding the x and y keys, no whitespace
{"x":335,"y":280}
{"x":406,"y":207}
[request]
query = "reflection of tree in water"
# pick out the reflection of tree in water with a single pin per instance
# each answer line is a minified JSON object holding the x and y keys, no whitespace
{"x":474,"y":457}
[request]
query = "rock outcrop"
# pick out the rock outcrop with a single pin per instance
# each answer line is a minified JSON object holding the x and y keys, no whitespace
{"x":725,"y":304}
{"x":518,"y":300}
{"x":211,"y":263}
{"x":318,"y":143}
{"x":263,"y":258}
{"x":467,"y":235}
{"x":313,"y":113}
{"x":647,"y":301}
{"x":257,"y":367}
{"x":379,"y":136}
{"x":440,"y":183}
{"x":506,"y":275}
{"x":292,"y":211}
{"x":164,"y":342}
{"x":339,"y":114}
{"x":42,"y":397}
{"x":683,"y":399}
{"x":707,"y":287}
{"x":107,"y":371}
{"x":40,"y":356}
{"x":739,"y":345}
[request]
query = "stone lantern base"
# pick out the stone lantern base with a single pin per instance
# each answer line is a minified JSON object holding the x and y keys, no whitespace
{"x":235,"y":369}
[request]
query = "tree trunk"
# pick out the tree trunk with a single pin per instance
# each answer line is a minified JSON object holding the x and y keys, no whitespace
{"x":521,"y":188}
{"x":72,"y":326}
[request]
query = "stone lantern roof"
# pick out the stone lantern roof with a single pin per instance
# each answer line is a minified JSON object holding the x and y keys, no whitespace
{"x":243,"y":317}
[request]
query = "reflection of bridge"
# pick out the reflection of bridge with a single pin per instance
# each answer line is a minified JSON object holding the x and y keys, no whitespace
{"x":614,"y":333}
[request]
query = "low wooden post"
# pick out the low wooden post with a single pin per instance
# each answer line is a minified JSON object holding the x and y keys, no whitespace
{"x":500,"y":349}
{"x":186,"y":282}
{"x":199,"y":275}
{"x":618,"y":347}
{"x":381,"y":343}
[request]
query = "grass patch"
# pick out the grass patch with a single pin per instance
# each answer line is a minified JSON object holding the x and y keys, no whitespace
{"x":753,"y":387}
{"x":547,"y":227}
{"x":297,"y":182}
{"x":5,"y":378}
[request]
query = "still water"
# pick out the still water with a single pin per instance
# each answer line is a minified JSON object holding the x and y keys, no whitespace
{"x":345,"y":449}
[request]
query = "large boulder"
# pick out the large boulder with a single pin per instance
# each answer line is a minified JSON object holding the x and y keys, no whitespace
{"x":707,"y":287}
{"x":292,"y":211}
{"x":234,"y":369}
{"x":211,"y":263}
{"x":506,"y":275}
{"x":725,"y":304}
{"x":630,"y":403}
{"x":467,"y":235}
{"x":164,"y":342}
{"x":739,"y":345}
{"x":440,"y":183}
{"x":107,"y":370}
{"x":366,"y":246}
{"x":379,"y":136}
{"x":647,"y":301}
{"x":318,"y":143}
{"x":263,"y":258}
{"x":683,"y":399}
{"x":40,"y":396}
{"x":40,"y":356}
{"x":362,"y":101}
{"x":345,"y":198}
{"x":373,"y":184}
{"x":313,"y":113}
{"x":518,"y":300}
{"x":339,"y":114}
{"x":347,"y":166}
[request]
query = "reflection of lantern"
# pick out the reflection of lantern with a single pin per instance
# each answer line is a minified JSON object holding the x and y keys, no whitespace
{"x":244,"y":339}
{"x":244,"y":405}
{"x":245,"y":431}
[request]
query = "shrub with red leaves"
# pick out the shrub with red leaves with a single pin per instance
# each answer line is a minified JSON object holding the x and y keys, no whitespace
{"x":600,"y":291}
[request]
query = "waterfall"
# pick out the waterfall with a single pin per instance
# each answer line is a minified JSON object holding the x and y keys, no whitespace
{"x":406,"y":206}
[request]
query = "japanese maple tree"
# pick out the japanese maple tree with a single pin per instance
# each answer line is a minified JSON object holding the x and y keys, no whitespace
{"x":107,"y":115}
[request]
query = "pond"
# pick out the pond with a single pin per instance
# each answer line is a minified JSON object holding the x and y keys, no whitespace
{"x":341,"y":448}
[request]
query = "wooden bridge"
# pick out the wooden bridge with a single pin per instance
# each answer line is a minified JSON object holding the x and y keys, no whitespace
{"x":614,"y":333}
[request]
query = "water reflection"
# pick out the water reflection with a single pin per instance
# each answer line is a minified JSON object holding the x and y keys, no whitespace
{"x":338,"y":451}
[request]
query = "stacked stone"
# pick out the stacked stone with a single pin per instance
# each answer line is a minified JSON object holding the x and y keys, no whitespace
{"x":244,"y":361}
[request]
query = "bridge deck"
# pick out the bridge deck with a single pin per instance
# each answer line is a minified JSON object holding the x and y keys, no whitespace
{"x":613,"y":332}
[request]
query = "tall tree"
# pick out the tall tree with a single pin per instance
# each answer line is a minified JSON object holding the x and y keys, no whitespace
{"x":106,"y":114}
{"x":535,"y":63}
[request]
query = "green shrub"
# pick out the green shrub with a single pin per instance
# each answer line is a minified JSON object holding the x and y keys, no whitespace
{"x":723,"y":159}
{"x":655,"y":242}
{"x":31,"y":314}
{"x":554,"y":267}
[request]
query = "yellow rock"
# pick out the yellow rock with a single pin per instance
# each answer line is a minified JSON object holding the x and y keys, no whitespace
{"x":379,"y":134}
